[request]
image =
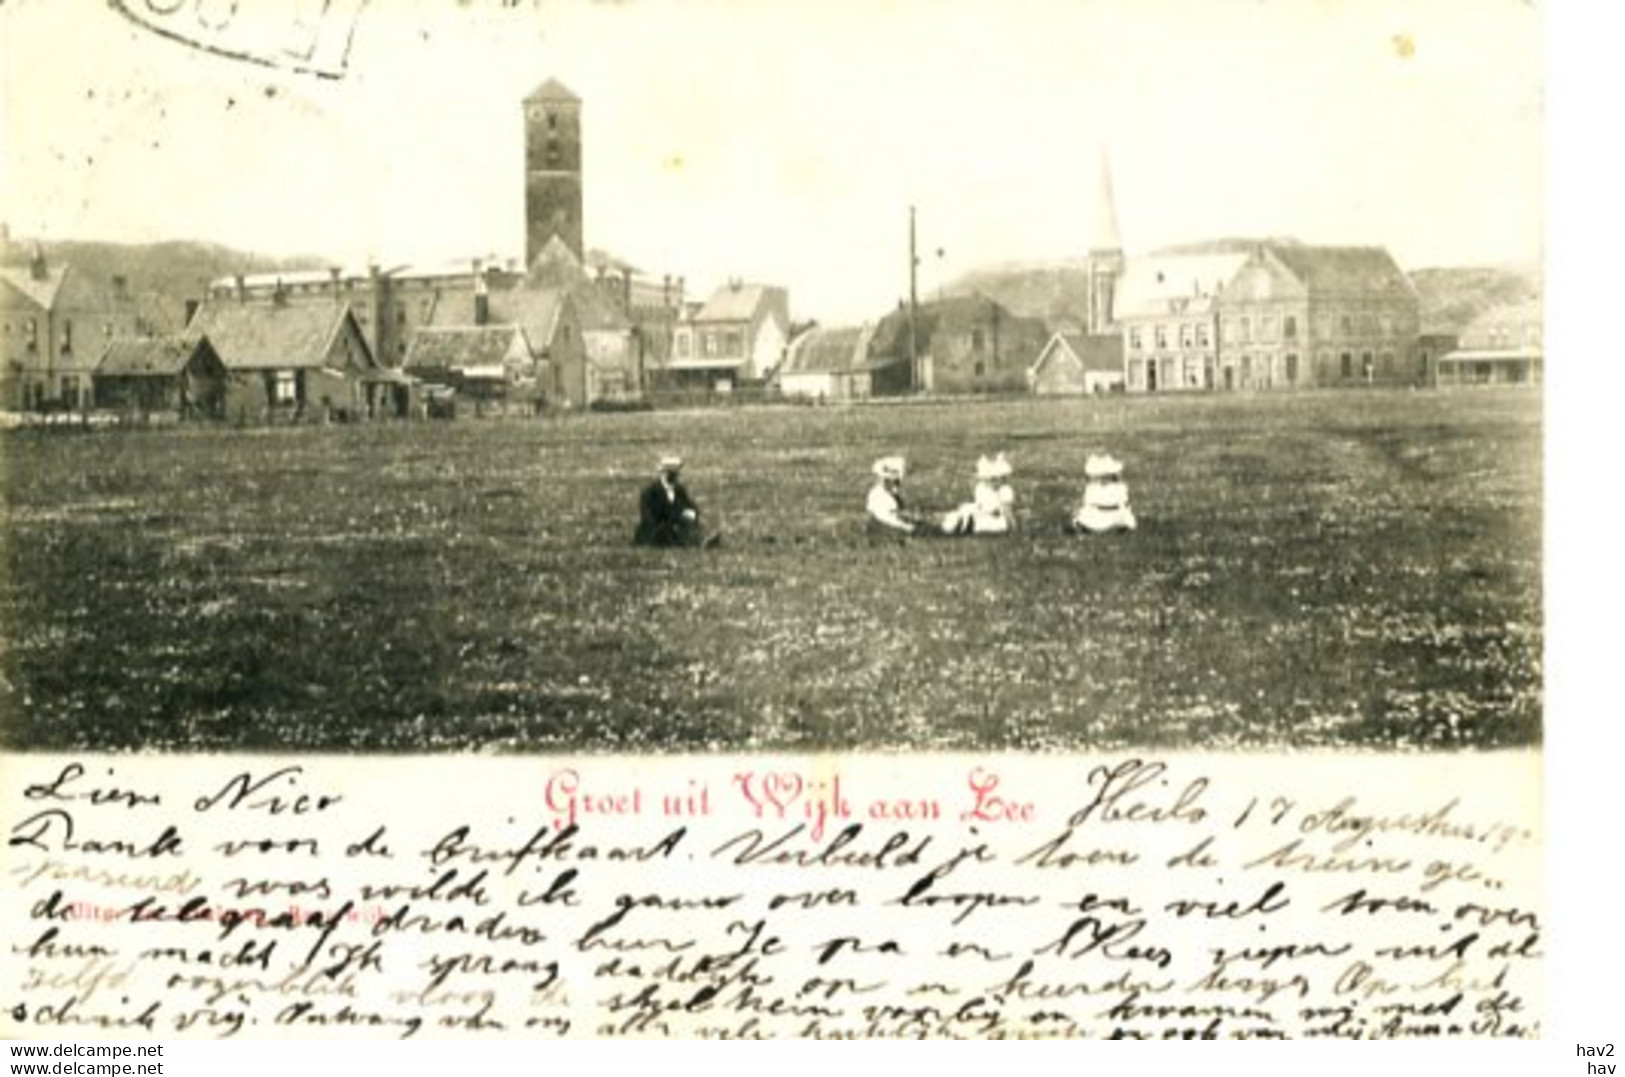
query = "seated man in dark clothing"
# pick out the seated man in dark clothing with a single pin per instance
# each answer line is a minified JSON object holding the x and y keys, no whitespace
{"x":667,"y":516}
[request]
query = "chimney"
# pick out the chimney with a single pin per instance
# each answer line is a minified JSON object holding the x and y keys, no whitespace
{"x":36,"y":265}
{"x":242,"y":288}
{"x":338,"y":291}
{"x":665,"y":290}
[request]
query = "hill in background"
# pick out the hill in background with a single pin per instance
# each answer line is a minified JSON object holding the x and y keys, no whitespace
{"x":1451,"y":297}
{"x":162,"y":276}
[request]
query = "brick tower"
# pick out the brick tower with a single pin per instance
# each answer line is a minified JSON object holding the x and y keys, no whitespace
{"x":552,"y":169}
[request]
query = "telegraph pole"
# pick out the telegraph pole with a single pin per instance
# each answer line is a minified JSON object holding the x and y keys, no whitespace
{"x":913,"y":303}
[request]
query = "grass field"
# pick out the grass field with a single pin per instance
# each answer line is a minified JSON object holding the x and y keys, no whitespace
{"x":1344,"y":569}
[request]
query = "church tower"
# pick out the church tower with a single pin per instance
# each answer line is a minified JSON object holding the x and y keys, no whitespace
{"x":1105,"y":255}
{"x":552,"y":169}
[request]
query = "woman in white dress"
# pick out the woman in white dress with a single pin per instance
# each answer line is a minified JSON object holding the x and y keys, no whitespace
{"x":991,"y":510}
{"x":1105,"y":497}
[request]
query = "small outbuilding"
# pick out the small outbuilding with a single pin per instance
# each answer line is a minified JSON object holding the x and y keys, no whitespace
{"x":174,"y":375}
{"x":1078,"y":364}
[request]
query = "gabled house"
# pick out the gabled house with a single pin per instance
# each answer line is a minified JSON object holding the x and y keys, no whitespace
{"x":1502,"y":346}
{"x":1296,"y":315}
{"x":57,"y":320}
{"x":177,"y":375}
{"x":827,"y":364}
{"x":960,"y":344}
{"x":612,"y":361}
{"x":486,"y":362}
{"x":1075,"y":363}
{"x":290,"y":361}
{"x":738,"y":335}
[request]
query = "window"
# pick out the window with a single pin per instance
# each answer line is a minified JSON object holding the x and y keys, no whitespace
{"x":1347,"y":361}
{"x":1365,"y":366}
{"x":1387,"y":363}
{"x":682,"y":343}
{"x":552,"y":121}
{"x":1202,"y":340}
{"x":1289,"y":327}
{"x":67,"y":337}
{"x":31,"y":332}
{"x":1134,"y":339}
{"x":425,"y":308}
{"x":981,"y":368}
{"x":1162,"y":336}
{"x":70,"y":389}
{"x":286,"y":389}
{"x":1291,"y":368}
{"x":1346,"y":324}
{"x":1187,"y":335}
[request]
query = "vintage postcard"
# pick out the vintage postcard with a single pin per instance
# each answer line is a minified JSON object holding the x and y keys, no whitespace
{"x":670,"y":518}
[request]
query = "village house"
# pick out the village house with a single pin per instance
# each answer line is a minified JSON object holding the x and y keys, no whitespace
{"x":1502,"y":346}
{"x":180,"y":376}
{"x":289,"y":362}
{"x":736,"y":337}
{"x":492,"y":365}
{"x":827,"y":364}
{"x":959,"y":344}
{"x":1076,"y":363}
{"x":1168,"y":318}
{"x":57,"y":321}
{"x":1296,"y":316}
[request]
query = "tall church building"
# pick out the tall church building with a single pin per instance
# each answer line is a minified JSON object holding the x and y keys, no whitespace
{"x":1105,"y":265}
{"x":552,"y":169}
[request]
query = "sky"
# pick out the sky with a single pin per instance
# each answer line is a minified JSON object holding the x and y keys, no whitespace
{"x":784,"y":140}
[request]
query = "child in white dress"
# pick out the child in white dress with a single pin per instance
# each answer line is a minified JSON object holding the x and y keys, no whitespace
{"x":991,"y":510}
{"x":1105,"y":497}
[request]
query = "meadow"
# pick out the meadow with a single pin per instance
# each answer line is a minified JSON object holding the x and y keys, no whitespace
{"x":1355,"y":569}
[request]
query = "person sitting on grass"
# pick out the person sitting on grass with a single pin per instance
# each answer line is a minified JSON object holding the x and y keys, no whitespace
{"x":667,"y":515}
{"x":1105,"y":498}
{"x":991,"y":508}
{"x":886,"y":513}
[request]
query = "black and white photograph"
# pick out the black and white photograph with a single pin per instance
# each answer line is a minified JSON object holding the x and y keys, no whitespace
{"x":652,"y":519}
{"x":648,"y":377}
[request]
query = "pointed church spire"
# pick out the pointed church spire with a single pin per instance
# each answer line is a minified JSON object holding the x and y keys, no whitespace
{"x":1105,"y":255}
{"x":1106,"y":239}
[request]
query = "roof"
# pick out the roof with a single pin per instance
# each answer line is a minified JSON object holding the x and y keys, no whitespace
{"x":536,"y":310}
{"x":1174,"y":283}
{"x":154,"y":357}
{"x":827,"y":351}
{"x":1099,"y":353}
{"x":41,"y":293}
{"x":453,"y":348}
{"x":1484,"y":355}
{"x":740,"y":302}
{"x":259,"y":335}
{"x":1344,"y":270}
{"x":553,"y":90}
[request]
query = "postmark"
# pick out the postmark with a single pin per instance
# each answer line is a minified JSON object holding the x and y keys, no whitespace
{"x":302,"y":36}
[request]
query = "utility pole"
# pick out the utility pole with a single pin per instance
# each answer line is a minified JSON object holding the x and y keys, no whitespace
{"x":913,"y":304}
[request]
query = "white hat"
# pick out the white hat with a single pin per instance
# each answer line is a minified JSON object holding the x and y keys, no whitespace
{"x":671,"y":462}
{"x":1101,"y":467}
{"x":889,"y":467}
{"x":992,"y":467}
